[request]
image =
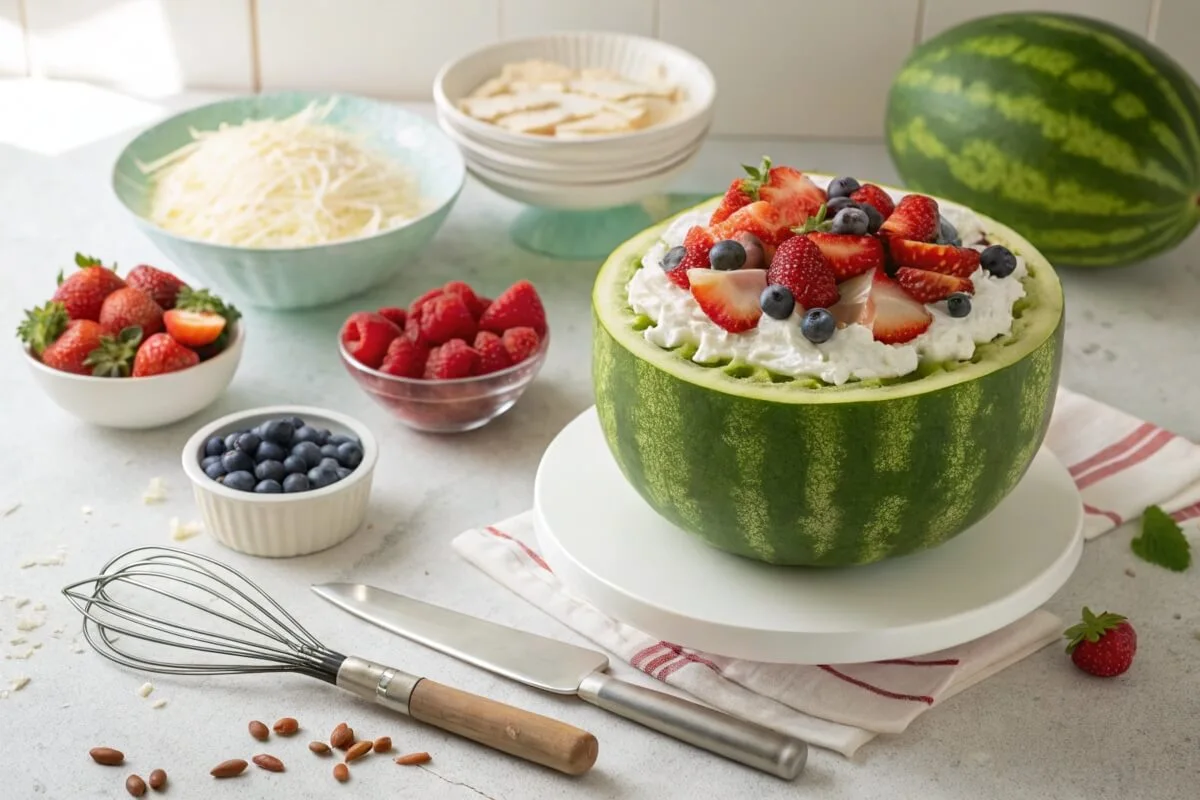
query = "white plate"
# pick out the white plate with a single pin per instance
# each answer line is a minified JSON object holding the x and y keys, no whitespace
{"x":612,"y":549}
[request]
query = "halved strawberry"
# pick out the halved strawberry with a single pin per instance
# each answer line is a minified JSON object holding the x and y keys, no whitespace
{"x":944,"y":258}
{"x":742,"y":191}
{"x":855,"y":304}
{"x":898,"y":317}
{"x":697,"y":242}
{"x":800,"y":265}
{"x":193,"y":328}
{"x":915,"y":218}
{"x":792,"y":194}
{"x":729,"y":298}
{"x":849,"y":255}
{"x":926,"y":286}
{"x":872,"y":195}
{"x":759,"y":218}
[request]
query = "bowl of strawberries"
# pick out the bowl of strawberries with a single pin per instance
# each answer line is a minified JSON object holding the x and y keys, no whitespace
{"x":450,"y":361}
{"x":138,"y":351}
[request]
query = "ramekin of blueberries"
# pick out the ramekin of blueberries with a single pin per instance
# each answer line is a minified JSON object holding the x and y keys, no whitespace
{"x":285,"y":454}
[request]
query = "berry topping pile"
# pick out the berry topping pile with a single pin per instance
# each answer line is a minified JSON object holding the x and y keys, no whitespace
{"x":779,"y":245}
{"x":281,"y":456}
{"x":450,"y":332}
{"x":148,"y":323}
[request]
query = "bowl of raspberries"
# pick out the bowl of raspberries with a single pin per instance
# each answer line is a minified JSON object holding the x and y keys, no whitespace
{"x":138,"y":350}
{"x":451,"y":360}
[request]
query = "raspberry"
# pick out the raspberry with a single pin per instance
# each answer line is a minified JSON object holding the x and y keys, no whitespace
{"x":454,"y":359}
{"x":493,"y":356}
{"x":474,"y":303}
{"x":405,"y":358}
{"x":518,"y":307}
{"x":444,"y":318}
{"x":366,"y":337}
{"x":520,"y":343}
{"x":396,"y":315}
{"x":423,"y":299}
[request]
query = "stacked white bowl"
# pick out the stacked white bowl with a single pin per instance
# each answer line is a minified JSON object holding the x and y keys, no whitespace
{"x":579,"y":173}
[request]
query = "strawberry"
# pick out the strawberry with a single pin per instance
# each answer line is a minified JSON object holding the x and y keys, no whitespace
{"x":493,"y":356}
{"x":849,"y":255}
{"x":405,"y":358}
{"x":697,"y":242}
{"x":729,"y":298}
{"x":800,"y":265}
{"x":926,"y":286}
{"x":854,"y":304}
{"x":898,"y":317}
{"x":204,"y":301}
{"x":521,"y":343}
{"x":944,"y":258}
{"x":518,"y":306}
{"x":792,"y":194}
{"x":42,"y":325}
{"x":916,"y":218}
{"x":396,"y":315}
{"x":468,"y":296}
{"x":443,"y":318}
{"x":127,"y":307}
{"x":159,"y":354}
{"x":423,"y":299}
{"x":193,"y":328}
{"x":366,"y":337}
{"x":742,"y":191}
{"x":454,"y":359}
{"x":159,"y":284}
{"x":759,"y":218}
{"x":871,"y":195}
{"x":69,"y":352}
{"x":113,"y":358}
{"x":83,"y":292}
{"x":1102,"y":644}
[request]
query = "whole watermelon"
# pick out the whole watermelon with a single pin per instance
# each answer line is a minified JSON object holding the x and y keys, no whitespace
{"x":1081,"y":136}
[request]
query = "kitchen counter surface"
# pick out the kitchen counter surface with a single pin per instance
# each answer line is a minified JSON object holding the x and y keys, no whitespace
{"x":1037,"y":730}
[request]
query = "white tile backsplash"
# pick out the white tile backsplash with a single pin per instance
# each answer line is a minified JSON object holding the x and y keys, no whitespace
{"x":1178,"y":33}
{"x":807,"y":67}
{"x":942,"y":14}
{"x":387,"y":48}
{"x":12,"y":39}
{"x":146,"y":46}
{"x":526,"y":17}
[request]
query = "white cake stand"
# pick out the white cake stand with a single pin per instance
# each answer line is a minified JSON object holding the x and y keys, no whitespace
{"x":609,"y":547}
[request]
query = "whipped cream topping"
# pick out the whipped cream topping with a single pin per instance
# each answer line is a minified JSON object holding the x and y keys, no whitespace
{"x":852,"y":352}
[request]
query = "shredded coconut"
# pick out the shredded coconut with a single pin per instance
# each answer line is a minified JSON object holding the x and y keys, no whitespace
{"x":145,"y":689}
{"x":181,"y":532}
{"x":156,"y":492}
{"x":19,"y":683}
{"x":159,"y":703}
{"x":86,"y":510}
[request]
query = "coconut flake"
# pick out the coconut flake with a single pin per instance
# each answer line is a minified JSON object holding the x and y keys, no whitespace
{"x":156,"y":492}
{"x":181,"y":532}
{"x":145,"y":689}
{"x":86,"y":511}
{"x":159,"y":703}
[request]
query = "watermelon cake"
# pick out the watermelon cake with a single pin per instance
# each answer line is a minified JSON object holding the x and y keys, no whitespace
{"x":816,"y":371}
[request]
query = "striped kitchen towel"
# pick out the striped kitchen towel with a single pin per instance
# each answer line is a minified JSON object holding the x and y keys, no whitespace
{"x":1120,"y":464}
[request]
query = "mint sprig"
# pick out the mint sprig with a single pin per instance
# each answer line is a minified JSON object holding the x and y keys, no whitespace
{"x":1162,"y":541}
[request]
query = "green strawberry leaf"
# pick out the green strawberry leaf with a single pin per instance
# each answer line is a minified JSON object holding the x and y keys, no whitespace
{"x":1162,"y":541}
{"x":814,"y":223}
{"x":1091,"y":628}
{"x":42,"y":326}
{"x":86,"y":261}
{"x":758,"y":177}
{"x":58,"y":281}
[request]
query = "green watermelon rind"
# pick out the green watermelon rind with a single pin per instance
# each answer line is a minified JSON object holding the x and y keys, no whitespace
{"x":792,"y":473}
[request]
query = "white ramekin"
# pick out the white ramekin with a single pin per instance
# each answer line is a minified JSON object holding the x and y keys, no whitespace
{"x":282,"y":525}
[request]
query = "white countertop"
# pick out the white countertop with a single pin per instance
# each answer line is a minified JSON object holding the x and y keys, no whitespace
{"x":1037,"y":730}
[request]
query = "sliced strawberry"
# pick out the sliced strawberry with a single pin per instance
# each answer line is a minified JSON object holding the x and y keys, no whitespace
{"x":193,"y":328}
{"x":759,"y":218}
{"x":898,"y":317}
{"x":872,"y":195}
{"x":729,"y":298}
{"x":800,"y":265}
{"x":944,"y":258}
{"x":849,"y":255}
{"x":926,"y":286}
{"x":855,"y":304}
{"x":742,"y":191}
{"x":915,"y":218}
{"x":792,"y":194}
{"x":697,"y":242}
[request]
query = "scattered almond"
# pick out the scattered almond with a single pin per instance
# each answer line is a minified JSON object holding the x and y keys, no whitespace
{"x":287,"y":726}
{"x":158,"y":780}
{"x":106,"y":756}
{"x":268,"y":762}
{"x":341,"y":772}
{"x":320,"y":748}
{"x":383,"y":744}
{"x":135,"y":785}
{"x":259,"y":730}
{"x":358,"y":750}
{"x":228,"y":769}
{"x":342,"y":736}
{"x":414,"y":758}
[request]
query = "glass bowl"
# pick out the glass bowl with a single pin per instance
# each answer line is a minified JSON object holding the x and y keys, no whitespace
{"x":448,"y":406}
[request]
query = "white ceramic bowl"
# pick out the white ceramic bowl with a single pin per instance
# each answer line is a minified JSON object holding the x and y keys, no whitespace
{"x":282,"y":525}
{"x":138,"y":403}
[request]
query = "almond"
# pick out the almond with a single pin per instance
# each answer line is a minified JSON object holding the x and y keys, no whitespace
{"x":414,"y":758}
{"x":358,"y":750}
{"x":135,"y":785}
{"x":342,"y":736}
{"x":228,"y":769}
{"x":287,"y":726}
{"x":320,"y":748}
{"x":158,"y":779}
{"x":259,"y":730}
{"x":341,"y":772}
{"x":268,"y":762}
{"x":383,"y":744}
{"x":106,"y":756}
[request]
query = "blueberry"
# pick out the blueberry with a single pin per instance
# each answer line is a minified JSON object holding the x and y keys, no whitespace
{"x":309,"y":452}
{"x":268,"y":487}
{"x":947,"y":233}
{"x":231,"y":440}
{"x":296,"y":482}
{"x":270,"y":471}
{"x":237,"y":461}
{"x":270,"y":451}
{"x":329,"y":450}
{"x":777,"y":301}
{"x":817,"y":325}
{"x":278,"y":431}
{"x":322,"y":476}
{"x":671,"y":260}
{"x":306,"y":433}
{"x":214,"y":446}
{"x":241,"y":480}
{"x":296,"y":422}
{"x":727,"y":254}
{"x":329,"y":464}
{"x":343,"y":473}
{"x":958,"y":304}
{"x":836,"y":204}
{"x":851,"y":222}
{"x":339,"y":438}
{"x":324,"y":433}
{"x":215,"y":471}
{"x":349,"y":454}
{"x":842,"y":187}
{"x":209,"y":460}
{"x":294,"y":464}
{"x":248,"y":442}
{"x":874,"y":218}
{"x":998,"y":260}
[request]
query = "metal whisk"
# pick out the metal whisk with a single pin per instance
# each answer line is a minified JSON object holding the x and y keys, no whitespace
{"x":151,"y":602}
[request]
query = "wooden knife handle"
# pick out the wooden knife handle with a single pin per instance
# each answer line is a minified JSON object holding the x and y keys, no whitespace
{"x":533,"y":737}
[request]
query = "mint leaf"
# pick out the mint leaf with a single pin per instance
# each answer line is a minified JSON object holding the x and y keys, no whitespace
{"x":1162,"y":541}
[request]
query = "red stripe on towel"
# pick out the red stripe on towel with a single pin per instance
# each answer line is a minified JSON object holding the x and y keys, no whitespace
{"x":528,"y":550}
{"x":1157,"y":442}
{"x":1114,"y":450}
{"x":660,"y":661}
{"x":1113,"y":517}
{"x":916,"y":698}
{"x":1191,"y":512}
{"x":645,"y":653}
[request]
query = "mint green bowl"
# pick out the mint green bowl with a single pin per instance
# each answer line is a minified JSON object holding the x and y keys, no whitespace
{"x":301,"y":277}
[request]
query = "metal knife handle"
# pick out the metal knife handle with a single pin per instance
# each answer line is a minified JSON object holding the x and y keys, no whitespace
{"x":715,"y":731}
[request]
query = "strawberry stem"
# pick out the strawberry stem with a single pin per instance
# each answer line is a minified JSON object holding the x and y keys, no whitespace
{"x":758,"y":177}
{"x":114,"y":357}
{"x":814,"y":223}
{"x":1091,"y":628}
{"x":42,"y":326}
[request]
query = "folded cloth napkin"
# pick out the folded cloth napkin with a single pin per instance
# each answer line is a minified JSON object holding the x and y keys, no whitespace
{"x":1120,"y":464}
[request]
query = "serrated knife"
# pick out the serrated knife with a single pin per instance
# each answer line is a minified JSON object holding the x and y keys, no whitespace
{"x":563,"y":668}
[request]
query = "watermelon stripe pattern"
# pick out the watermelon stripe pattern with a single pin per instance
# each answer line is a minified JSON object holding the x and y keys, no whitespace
{"x":828,"y":476}
{"x":1080,"y":135}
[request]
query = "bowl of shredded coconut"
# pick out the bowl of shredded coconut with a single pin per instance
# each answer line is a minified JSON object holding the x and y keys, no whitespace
{"x":292,"y":199}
